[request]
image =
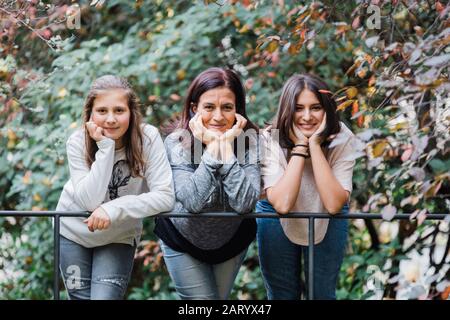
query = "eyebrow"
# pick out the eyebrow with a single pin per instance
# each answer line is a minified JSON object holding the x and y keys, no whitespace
{"x":114,"y":107}
{"x":223,"y":104}
{"x":313,"y":105}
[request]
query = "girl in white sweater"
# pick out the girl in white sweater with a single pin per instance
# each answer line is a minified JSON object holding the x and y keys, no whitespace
{"x":118,"y":171}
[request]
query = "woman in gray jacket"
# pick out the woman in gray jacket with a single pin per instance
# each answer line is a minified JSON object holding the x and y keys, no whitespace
{"x":213,"y":153}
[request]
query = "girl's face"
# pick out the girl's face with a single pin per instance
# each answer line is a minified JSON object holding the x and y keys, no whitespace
{"x":217,"y":108}
{"x":110,"y":111}
{"x":309,"y":113}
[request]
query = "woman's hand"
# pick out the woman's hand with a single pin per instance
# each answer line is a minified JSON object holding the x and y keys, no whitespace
{"x":315,"y":137}
{"x":200,"y":132}
{"x":236,"y":130}
{"x":296,"y":136}
{"x":98,"y":220}
{"x":95,"y":132}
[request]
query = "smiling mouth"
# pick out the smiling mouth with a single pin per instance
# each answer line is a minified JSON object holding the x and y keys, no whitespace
{"x":216,"y":126}
{"x":307,"y":126}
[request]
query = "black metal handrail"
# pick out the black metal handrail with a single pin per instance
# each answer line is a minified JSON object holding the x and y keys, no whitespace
{"x":311,"y":216}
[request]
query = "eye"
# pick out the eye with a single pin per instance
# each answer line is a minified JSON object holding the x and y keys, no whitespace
{"x":317,"y":107}
{"x":208,"y":107}
{"x":228,"y":107}
{"x":120,"y":110}
{"x":299,"y":108}
{"x":101,"y":110}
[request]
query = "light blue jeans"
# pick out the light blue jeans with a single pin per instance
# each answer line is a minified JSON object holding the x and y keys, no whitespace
{"x":280,"y":259}
{"x":197,"y":280}
{"x":100,"y":273}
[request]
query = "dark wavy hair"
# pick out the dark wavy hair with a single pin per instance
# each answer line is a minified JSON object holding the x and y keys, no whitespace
{"x":133,"y":137}
{"x":284,"y":119}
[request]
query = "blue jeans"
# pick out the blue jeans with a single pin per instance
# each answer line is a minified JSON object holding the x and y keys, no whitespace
{"x":197,"y":280}
{"x":280,"y":259}
{"x":100,"y":273}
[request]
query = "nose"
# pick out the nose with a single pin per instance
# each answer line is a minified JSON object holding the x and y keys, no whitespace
{"x":111,"y":118}
{"x":306,"y":115}
{"x":218,"y":116}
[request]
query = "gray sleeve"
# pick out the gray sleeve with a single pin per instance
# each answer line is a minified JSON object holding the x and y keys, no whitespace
{"x":242,"y":184}
{"x":193,"y":187}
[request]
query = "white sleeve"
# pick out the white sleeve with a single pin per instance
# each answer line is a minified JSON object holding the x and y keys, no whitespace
{"x":158,"y":175}
{"x":90,"y":185}
{"x":342,"y":167}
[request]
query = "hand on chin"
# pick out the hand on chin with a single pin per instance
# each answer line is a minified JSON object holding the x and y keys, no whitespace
{"x":215,"y":130}
{"x":307,"y":133}
{"x":109,"y":135}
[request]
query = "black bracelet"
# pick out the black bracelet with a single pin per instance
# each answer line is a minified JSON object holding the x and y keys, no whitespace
{"x":306,"y":156}
{"x":301,"y":145}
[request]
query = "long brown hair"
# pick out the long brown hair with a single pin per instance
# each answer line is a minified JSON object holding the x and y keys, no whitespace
{"x":284,"y":119}
{"x":133,"y":137}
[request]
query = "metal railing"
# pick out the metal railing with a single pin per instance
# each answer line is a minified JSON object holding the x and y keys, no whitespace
{"x":56,"y":215}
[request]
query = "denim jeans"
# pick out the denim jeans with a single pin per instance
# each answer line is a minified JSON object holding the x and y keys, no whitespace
{"x":280,"y":259}
{"x":100,"y":273}
{"x":197,"y":280}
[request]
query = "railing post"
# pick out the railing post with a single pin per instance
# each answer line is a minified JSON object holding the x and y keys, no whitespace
{"x":311,"y":259}
{"x":56,"y":258}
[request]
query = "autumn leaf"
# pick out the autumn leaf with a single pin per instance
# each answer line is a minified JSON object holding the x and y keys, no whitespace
{"x":62,"y":92}
{"x":356,"y":22}
{"x":355,"y":107}
{"x":433,"y":190}
{"x":181,"y":74}
{"x":351,"y":92}
{"x":370,"y":42}
{"x":407,"y":154}
{"x":273,"y":45}
{"x":411,"y":200}
{"x":388,"y":212}
{"x":438,"y":61}
{"x":37,"y":197}
{"x":26,"y":179}
{"x":345,"y":105}
{"x":378,"y":148}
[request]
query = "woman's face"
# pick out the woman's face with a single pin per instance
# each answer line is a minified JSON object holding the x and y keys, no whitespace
{"x":111,"y":112}
{"x":217,"y":108}
{"x":309,"y":113}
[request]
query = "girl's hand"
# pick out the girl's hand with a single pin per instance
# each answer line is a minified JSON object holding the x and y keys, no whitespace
{"x":296,"y":135}
{"x":95,"y":132}
{"x":200,"y":132}
{"x":98,"y":220}
{"x":315,"y":137}
{"x":236,"y":130}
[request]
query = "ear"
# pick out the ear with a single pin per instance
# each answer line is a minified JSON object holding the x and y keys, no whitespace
{"x":194,"y":108}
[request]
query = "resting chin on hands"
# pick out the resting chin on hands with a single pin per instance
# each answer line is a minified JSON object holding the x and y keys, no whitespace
{"x":200,"y":132}
{"x":297,"y":137}
{"x":315,"y":138}
{"x":98,"y":220}
{"x":95,"y":132}
{"x":235,"y":131}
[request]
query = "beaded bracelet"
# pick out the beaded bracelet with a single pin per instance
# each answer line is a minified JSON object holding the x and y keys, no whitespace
{"x":300,"y":155}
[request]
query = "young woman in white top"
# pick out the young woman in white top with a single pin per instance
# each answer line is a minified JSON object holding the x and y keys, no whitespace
{"x":118,"y":171}
{"x":303,"y":172}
